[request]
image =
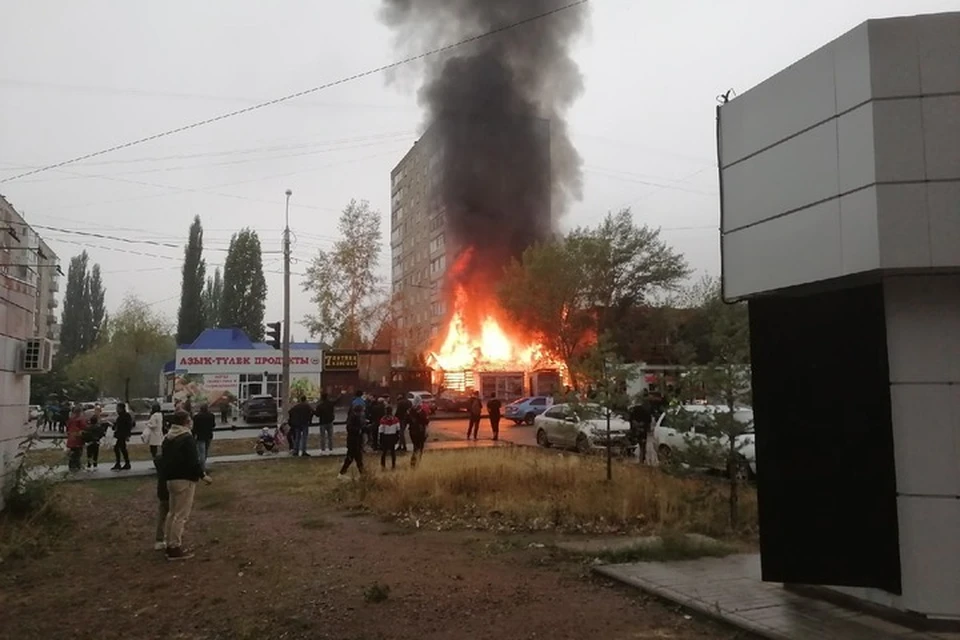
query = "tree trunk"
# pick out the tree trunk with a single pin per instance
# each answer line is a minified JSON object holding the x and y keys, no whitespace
{"x":126,"y":390}
{"x":734,"y":498}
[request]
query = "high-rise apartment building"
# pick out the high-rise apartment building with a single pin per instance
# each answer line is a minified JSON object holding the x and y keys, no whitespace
{"x":506,"y":157}
{"x":419,"y":249}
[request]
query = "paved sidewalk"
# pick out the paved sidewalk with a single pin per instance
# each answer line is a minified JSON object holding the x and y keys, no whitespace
{"x":141,"y":468}
{"x":730,"y":589}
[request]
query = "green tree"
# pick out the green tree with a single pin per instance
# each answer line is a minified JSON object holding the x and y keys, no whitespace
{"x":212,"y":299}
{"x":546,"y":294}
{"x":244,"y":287}
{"x":725,"y":382}
{"x":84,"y":311}
{"x":627,"y":263}
{"x":128,"y":358}
{"x":344,"y":284}
{"x":190,"y":319}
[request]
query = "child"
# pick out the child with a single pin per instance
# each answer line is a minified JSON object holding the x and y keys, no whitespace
{"x":265,"y":442}
{"x":389,"y":436}
{"x":75,"y":427}
{"x":92,"y":435}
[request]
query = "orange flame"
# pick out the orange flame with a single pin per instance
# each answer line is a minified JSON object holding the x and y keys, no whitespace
{"x":489,"y":347}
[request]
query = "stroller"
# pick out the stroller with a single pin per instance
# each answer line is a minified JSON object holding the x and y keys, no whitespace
{"x":269,"y":442}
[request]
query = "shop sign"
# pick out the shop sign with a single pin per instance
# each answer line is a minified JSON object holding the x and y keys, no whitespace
{"x":341,"y":361}
{"x":246,"y":361}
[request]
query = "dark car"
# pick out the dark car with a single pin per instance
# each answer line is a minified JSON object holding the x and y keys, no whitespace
{"x":259,"y":408}
{"x":453,"y":402}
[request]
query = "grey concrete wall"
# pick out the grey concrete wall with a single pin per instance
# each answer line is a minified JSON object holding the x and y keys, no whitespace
{"x":846,"y":162}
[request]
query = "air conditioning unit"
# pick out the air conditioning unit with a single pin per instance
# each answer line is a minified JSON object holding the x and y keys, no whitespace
{"x":36,"y":355}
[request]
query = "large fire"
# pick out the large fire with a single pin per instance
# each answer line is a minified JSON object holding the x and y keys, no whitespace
{"x":488,"y":347}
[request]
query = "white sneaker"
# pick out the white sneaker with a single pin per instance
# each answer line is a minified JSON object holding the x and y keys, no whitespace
{"x":343,"y":477}
{"x":159,"y":546}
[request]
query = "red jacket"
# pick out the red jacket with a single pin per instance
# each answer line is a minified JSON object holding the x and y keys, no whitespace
{"x":75,"y":427}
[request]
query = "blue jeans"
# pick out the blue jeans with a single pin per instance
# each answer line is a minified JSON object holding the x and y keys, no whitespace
{"x":203,"y":447}
{"x":303,"y":434}
{"x":326,"y":437}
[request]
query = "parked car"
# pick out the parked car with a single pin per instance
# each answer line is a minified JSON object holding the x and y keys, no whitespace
{"x":583,"y":427}
{"x":427,"y":398}
{"x":671,"y":438}
{"x":108,"y":412}
{"x":453,"y":402}
{"x":262,"y":408}
{"x":525,"y":410}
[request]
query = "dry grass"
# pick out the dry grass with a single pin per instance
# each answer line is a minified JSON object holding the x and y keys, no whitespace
{"x":528,"y":489}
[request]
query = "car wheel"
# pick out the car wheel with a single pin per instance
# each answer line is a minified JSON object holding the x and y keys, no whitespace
{"x":517,"y":422}
{"x":583,"y":445}
{"x":664,"y":452}
{"x":528,"y":419}
{"x":542,"y":438}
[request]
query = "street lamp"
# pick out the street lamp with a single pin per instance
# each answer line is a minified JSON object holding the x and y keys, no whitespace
{"x":285,"y":370}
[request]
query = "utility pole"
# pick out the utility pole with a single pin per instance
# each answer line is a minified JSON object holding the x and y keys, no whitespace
{"x":285,"y":381}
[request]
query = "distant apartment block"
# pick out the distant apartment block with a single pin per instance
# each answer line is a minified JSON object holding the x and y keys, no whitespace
{"x":28,"y":286}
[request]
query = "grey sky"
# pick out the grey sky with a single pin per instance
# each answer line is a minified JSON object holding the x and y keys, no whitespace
{"x":79,"y":76}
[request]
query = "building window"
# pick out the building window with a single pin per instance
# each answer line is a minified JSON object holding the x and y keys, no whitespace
{"x":437,"y":265}
{"x":437,"y":243}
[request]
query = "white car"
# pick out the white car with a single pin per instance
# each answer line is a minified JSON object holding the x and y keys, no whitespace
{"x":583,"y":427}
{"x":426,"y":398}
{"x":34,"y":412}
{"x":670,"y":439}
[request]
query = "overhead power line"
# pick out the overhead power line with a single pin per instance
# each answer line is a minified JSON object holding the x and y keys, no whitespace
{"x":298,"y":94}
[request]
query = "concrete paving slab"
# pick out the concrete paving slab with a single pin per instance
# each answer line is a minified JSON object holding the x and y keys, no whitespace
{"x":730,"y":589}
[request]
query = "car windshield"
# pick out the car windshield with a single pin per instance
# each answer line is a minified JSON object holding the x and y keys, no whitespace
{"x":520,"y":400}
{"x":426,"y":396}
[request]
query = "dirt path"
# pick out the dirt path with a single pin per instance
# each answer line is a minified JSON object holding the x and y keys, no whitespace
{"x":271,"y":565}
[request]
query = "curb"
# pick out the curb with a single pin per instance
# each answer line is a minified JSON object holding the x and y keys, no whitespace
{"x":693,"y":604}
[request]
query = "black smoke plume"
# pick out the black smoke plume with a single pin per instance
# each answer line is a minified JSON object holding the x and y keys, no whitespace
{"x":495,"y":112}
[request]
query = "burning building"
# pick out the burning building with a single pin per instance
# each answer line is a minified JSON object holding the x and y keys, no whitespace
{"x":491,"y":175}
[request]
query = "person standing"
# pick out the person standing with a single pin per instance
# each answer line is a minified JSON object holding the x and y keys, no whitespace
{"x":493,"y":411}
{"x":403,"y":415}
{"x":224,"y":410}
{"x":75,"y":428}
{"x":203,"y":425}
{"x":419,"y":420}
{"x":325,"y":416}
{"x":182,"y":469}
{"x":375,"y":411}
{"x":389,"y":434}
{"x":163,"y":506}
{"x":476,"y":409}
{"x":93,"y":434}
{"x":355,"y":423}
{"x":152,"y":434}
{"x":63,"y":416}
{"x":122,"y":430}
{"x":299,"y":417}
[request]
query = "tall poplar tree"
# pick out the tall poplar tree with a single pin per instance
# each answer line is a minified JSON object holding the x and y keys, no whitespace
{"x":84,"y":310}
{"x":212,"y":299}
{"x":244,"y":287}
{"x":190,"y":319}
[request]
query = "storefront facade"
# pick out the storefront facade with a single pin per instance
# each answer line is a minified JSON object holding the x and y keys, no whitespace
{"x":224,"y":366}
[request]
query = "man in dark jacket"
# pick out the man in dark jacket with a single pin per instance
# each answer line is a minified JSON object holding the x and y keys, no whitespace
{"x":182,"y":469}
{"x":403,"y":415}
{"x":122,"y":430}
{"x":299,"y":419}
{"x":493,"y":410}
{"x":375,"y":413}
{"x":476,"y":408}
{"x":325,"y":416}
{"x":355,"y":424}
{"x":203,"y":425}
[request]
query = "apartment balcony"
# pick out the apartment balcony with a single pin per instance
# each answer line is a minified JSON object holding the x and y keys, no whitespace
{"x":52,"y":303}
{"x":54,"y":285}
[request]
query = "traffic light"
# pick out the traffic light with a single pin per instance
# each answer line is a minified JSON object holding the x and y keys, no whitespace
{"x":273,"y":334}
